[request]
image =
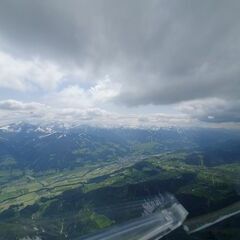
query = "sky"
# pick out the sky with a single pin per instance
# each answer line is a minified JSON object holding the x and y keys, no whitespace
{"x":131,"y":63}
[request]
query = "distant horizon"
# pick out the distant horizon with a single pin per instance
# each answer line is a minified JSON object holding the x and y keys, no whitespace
{"x":59,"y":125}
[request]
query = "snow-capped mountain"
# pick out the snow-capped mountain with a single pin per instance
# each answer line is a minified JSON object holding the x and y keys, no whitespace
{"x":42,"y":147}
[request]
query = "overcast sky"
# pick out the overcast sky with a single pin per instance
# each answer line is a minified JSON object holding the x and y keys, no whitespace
{"x":128,"y":62}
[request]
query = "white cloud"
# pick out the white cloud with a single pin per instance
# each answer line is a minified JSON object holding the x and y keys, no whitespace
{"x":104,"y":90}
{"x":12,"y":110}
{"x":13,"y":105}
{"x":207,"y":113}
{"x":75,"y":96}
{"x":22,"y":75}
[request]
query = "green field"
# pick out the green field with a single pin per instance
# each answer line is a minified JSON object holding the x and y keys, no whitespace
{"x":53,"y":201}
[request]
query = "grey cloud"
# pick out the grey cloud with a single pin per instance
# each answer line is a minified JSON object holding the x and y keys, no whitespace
{"x":213,"y":110}
{"x":161,"y":52}
{"x":12,"y":111}
{"x":13,"y":105}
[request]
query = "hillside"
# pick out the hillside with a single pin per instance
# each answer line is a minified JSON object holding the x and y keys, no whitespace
{"x":59,"y":183}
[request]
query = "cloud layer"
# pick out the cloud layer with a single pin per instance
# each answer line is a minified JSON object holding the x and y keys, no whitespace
{"x":12,"y":111}
{"x":104,"y":54}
